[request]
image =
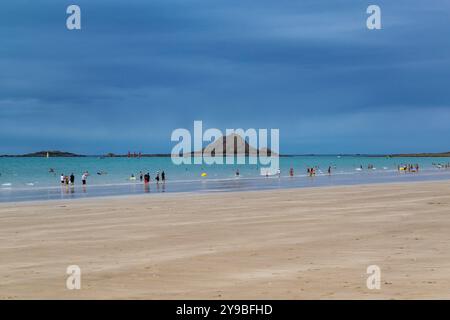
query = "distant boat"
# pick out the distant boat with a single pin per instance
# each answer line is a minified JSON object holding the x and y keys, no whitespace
{"x":48,"y":155}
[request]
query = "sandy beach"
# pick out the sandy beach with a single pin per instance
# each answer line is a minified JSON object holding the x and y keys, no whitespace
{"x":286,"y":244}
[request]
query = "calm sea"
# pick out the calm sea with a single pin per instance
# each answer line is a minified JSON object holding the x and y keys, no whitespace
{"x":39,"y":178}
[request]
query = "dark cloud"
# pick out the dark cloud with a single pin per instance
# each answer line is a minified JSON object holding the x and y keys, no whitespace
{"x":139,"y":69}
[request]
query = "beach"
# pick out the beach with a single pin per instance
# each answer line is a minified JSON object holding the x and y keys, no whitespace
{"x":299,"y":243}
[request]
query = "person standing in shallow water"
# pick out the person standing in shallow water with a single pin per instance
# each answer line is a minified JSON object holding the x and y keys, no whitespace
{"x":163,"y":176}
{"x":84,"y":178}
{"x":72,"y":179}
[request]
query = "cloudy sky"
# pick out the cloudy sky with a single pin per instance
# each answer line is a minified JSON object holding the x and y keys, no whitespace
{"x":139,"y":69}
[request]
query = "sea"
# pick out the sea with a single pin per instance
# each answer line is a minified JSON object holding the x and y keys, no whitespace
{"x":30,"y":179}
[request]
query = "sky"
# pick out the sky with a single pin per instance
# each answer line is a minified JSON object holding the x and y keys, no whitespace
{"x":139,"y":69}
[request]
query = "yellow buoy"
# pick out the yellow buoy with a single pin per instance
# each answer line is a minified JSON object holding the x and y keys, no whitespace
{"x":204,"y":174}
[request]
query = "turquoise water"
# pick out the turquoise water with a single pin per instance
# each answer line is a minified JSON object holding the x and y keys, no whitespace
{"x":31,"y":176}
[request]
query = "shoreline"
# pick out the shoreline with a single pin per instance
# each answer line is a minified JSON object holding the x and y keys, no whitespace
{"x":242,"y":184}
{"x":308,"y":243}
{"x":217,"y":193}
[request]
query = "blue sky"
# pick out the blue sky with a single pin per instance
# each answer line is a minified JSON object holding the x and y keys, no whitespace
{"x":139,"y":69}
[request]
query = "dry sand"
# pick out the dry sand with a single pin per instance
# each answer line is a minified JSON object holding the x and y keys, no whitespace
{"x":289,"y":244}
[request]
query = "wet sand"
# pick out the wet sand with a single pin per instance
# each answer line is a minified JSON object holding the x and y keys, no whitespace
{"x":276,"y":244}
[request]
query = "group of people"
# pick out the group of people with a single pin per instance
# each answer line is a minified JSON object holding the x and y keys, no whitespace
{"x":442,"y":166}
{"x":369,"y":167}
{"x":67,"y":179}
{"x":408,"y":168}
{"x":70,"y":180}
{"x":312,"y":171}
{"x":146,"y":177}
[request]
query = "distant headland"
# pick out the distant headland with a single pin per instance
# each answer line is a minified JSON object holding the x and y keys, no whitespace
{"x":46,"y":154}
{"x":421,"y":155}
